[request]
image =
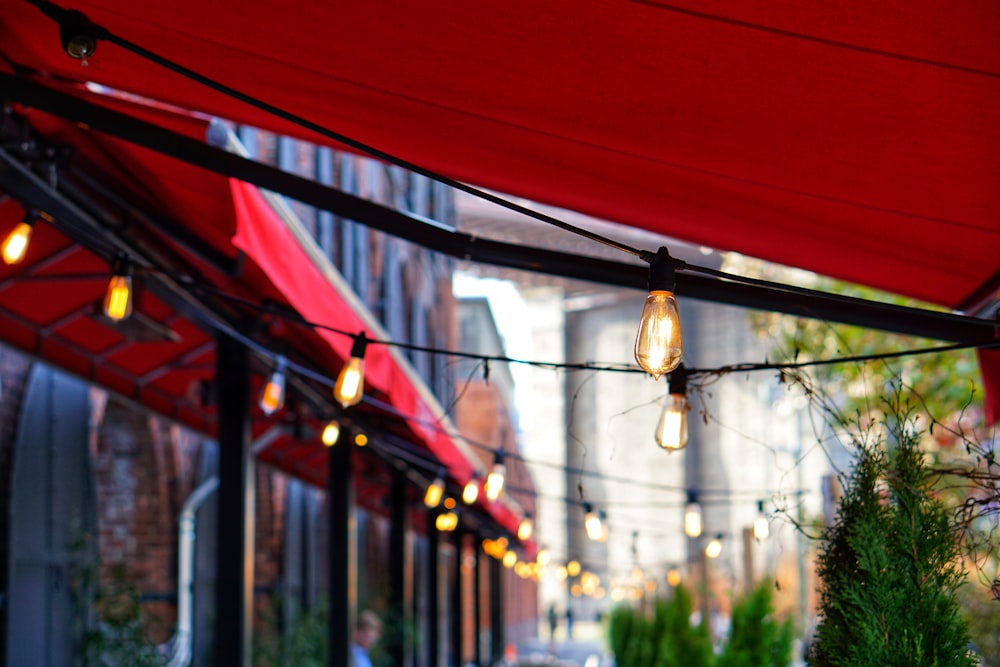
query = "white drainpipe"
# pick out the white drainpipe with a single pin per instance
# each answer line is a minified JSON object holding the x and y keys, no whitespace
{"x":180,"y":645}
{"x":178,"y":649}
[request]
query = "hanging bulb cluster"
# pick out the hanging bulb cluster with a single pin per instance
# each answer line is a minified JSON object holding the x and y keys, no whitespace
{"x":658,"y":344}
{"x":350,"y":385}
{"x":15,"y":246}
{"x":272,"y":396}
{"x":692,"y":515}
{"x":495,"y":479}
{"x":447,"y":521}
{"x":118,"y":298}
{"x":672,"y":429}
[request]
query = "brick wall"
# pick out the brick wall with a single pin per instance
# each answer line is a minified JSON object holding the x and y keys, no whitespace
{"x":144,"y":470}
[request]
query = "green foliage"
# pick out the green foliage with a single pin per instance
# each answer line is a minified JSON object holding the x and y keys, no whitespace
{"x":889,"y":566}
{"x":303,"y":643}
{"x":756,"y":637}
{"x":116,"y":638}
{"x":665,"y":637}
{"x":946,"y":387}
{"x":397,"y":633}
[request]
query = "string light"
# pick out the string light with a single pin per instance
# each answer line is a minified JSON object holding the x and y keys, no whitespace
{"x":573,"y":568}
{"x":470,"y":493}
{"x":674,"y":577}
{"x":714,"y":547}
{"x":350,"y":385}
{"x":658,"y":344}
{"x":525,"y":528}
{"x":446,"y":521}
{"x":509,"y":559}
{"x":15,"y":246}
{"x":761,"y":526}
{"x":692,"y":516}
{"x":331,"y":433}
{"x":543,"y":557}
{"x":272,"y":397}
{"x":361,"y":440}
{"x":118,"y":298}
{"x":672,"y":429}
{"x":593,"y":525}
{"x":434,"y":493}
{"x":495,"y":479}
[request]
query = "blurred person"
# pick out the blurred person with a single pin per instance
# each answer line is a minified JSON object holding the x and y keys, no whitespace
{"x":366,"y":633}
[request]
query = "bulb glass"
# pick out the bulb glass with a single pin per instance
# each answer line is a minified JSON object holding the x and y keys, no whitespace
{"x":672,"y":429}
{"x":118,"y":298}
{"x":658,"y":344}
{"x":15,"y":246}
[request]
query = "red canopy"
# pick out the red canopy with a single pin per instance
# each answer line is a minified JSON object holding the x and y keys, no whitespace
{"x":857,"y":140}
{"x":162,"y":354}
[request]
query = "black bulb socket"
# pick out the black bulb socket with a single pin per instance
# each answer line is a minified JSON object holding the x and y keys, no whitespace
{"x":662,"y":276}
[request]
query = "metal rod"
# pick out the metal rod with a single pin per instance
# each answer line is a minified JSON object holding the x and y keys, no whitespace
{"x":805,"y":303}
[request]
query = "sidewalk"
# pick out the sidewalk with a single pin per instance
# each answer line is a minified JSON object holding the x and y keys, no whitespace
{"x":587,"y":648}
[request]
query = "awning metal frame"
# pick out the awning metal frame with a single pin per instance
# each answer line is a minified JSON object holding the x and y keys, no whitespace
{"x":806,"y":303}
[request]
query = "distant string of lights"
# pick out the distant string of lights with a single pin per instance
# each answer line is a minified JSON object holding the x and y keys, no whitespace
{"x":657,"y":350}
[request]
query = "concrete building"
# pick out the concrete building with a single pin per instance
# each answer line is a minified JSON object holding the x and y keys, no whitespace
{"x":591,"y":439}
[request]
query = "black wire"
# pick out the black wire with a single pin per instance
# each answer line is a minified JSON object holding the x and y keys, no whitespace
{"x":54,"y":11}
{"x":293,"y":316}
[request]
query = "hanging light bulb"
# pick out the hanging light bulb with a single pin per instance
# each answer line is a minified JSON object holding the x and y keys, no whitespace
{"x":672,"y":430}
{"x":446,"y":522}
{"x":592,"y":524}
{"x":361,"y":440}
{"x":272,"y":397}
{"x":761,"y":526}
{"x":658,"y":344}
{"x":331,"y":433}
{"x":118,"y":298}
{"x":573,"y":568}
{"x":350,"y":385}
{"x":692,"y":516}
{"x":509,"y":559}
{"x":714,"y":546}
{"x":674,"y":577}
{"x":470,"y":493}
{"x":434,"y":493}
{"x":525,"y":528}
{"x":496,"y":477}
{"x":15,"y":246}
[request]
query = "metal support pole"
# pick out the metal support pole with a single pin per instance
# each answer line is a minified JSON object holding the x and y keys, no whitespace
{"x":434,"y":591}
{"x":398,"y":594}
{"x":477,"y":601}
{"x":235,"y":551}
{"x":496,"y":611}
{"x":340,"y":499}
{"x":455,"y":608}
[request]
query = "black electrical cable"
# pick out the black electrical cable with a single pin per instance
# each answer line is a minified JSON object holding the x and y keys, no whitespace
{"x":60,"y":14}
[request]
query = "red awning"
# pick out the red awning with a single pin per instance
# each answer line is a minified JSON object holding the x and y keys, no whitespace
{"x":856,"y":140}
{"x":161,"y":357}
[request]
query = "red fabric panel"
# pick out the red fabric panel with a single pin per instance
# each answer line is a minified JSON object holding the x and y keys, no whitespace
{"x":269,"y":243}
{"x":855,"y":139}
{"x":989,"y":368}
